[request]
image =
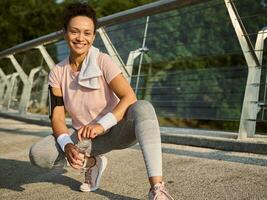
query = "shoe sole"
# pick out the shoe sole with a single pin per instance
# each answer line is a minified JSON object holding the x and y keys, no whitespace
{"x":102,"y":168}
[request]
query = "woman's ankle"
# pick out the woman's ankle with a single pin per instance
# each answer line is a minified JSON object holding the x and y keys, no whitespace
{"x":155,"y":180}
{"x":91,"y":161}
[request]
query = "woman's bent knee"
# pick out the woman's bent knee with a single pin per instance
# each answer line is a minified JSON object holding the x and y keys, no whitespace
{"x":43,"y":154}
{"x":39,"y":158}
{"x":33,"y":155}
{"x":143,"y":110}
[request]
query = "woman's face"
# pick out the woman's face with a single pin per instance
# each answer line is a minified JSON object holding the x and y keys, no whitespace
{"x":80,"y":35}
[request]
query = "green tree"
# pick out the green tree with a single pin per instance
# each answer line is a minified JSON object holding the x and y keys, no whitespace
{"x":24,"y":20}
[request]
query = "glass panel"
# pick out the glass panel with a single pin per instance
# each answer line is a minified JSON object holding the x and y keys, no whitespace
{"x":253,"y":15}
{"x":194,"y":70}
{"x":7,"y":66}
{"x":29,"y":60}
{"x":58,"y":51}
{"x":127,"y":37}
{"x":254,"y":18}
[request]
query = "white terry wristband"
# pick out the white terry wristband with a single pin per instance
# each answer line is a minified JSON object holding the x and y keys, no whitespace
{"x":107,"y":121}
{"x":64,"y":139}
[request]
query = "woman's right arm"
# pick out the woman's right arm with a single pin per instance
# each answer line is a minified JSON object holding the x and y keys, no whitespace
{"x":58,"y":118}
{"x":59,"y":128}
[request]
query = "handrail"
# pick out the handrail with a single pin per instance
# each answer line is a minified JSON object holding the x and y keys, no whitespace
{"x":120,"y":17}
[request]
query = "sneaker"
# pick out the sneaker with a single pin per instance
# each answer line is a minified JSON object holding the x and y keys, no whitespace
{"x":93,"y":175}
{"x":159,"y":192}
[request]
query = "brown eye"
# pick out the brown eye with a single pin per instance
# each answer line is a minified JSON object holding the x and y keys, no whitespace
{"x":73,"y":32}
{"x":88,"y":34}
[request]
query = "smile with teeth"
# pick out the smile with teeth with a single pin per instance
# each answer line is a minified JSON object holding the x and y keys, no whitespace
{"x":78,"y":45}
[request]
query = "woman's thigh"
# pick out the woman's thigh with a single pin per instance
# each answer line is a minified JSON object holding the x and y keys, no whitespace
{"x":120,"y":136}
{"x":45,"y":152}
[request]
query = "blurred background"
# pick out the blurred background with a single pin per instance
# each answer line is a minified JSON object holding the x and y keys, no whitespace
{"x":191,"y":66}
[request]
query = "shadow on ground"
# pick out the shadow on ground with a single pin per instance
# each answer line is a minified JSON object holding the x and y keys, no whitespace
{"x":20,"y":131}
{"x":14,"y":174}
{"x":218,"y":155}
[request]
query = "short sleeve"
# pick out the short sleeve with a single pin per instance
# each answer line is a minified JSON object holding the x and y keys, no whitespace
{"x":53,"y":79}
{"x":109,"y":68}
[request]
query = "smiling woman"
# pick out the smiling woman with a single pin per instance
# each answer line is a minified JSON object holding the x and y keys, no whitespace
{"x":79,"y":32}
{"x":104,"y":110}
{"x":80,"y":35}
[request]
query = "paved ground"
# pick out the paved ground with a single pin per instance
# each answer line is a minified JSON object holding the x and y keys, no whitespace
{"x":190,"y":172}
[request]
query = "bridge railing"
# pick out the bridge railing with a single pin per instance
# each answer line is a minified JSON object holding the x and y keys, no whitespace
{"x":188,"y":58}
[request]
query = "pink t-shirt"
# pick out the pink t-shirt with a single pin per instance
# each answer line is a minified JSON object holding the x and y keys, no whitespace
{"x":85,"y":105}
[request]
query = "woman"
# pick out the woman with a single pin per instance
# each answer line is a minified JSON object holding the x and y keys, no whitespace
{"x":103,"y":108}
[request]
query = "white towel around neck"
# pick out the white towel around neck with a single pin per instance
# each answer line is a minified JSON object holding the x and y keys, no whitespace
{"x":88,"y":76}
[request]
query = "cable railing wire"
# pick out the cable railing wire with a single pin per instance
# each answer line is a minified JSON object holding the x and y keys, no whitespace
{"x":153,"y":20}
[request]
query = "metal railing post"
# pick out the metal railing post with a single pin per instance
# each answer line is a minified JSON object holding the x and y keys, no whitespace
{"x":49,"y":61}
{"x":44,"y":94}
{"x":4,"y":83}
{"x":15,"y":90}
{"x":8,"y":93}
{"x":250,"y":108}
{"x":31,"y":79}
{"x":25,"y":96}
{"x":112,"y":51}
{"x":33,"y":72}
{"x":141,"y":59}
{"x":130,"y":61}
{"x":259,"y":48}
{"x":128,"y":68}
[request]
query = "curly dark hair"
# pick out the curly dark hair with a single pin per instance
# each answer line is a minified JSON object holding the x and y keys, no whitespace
{"x":78,"y":9}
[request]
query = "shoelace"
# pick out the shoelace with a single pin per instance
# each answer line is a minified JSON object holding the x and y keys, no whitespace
{"x":160,"y":190}
{"x":88,"y":174}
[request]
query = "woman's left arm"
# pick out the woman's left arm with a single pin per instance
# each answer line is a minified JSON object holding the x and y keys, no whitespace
{"x":125,"y":93}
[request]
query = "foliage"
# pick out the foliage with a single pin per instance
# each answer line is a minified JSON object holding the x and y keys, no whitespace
{"x":24,"y":20}
{"x":194,"y":72}
{"x":196,"y":53}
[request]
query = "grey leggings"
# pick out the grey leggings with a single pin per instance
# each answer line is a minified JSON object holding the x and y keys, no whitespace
{"x":140,"y":124}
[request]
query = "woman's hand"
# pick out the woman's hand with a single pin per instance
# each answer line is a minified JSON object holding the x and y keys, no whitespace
{"x":90,"y":131}
{"x":74,"y":157}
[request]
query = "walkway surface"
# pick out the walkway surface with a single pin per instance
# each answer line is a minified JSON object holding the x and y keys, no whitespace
{"x":190,"y":172}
